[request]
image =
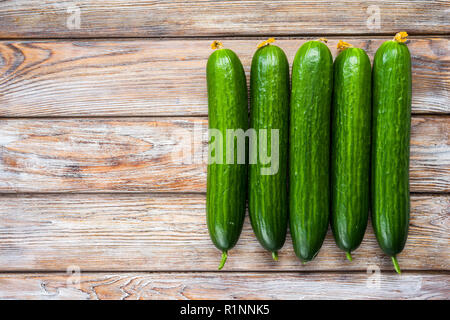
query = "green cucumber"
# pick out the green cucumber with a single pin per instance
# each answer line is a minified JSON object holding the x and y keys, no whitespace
{"x":350,"y":148}
{"x":269,"y":87}
{"x":390,"y":145}
{"x":309,"y":154}
{"x":226,"y":182}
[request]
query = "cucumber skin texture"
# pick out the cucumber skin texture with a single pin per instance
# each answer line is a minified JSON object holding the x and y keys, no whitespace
{"x":350,"y":145}
{"x":268,"y":200}
{"x":226,"y":183}
{"x":309,"y":154}
{"x":390,"y":145}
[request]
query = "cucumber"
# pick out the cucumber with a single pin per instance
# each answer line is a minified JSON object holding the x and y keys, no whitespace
{"x":226,"y":182}
{"x":309,"y":155}
{"x":269,"y":87}
{"x":390,"y":149}
{"x":350,"y":148}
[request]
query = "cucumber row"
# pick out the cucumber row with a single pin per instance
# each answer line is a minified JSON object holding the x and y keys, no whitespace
{"x":329,"y":133}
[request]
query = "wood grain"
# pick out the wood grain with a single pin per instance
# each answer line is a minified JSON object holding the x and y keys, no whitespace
{"x":229,"y":286}
{"x":156,"y":155}
{"x":162,"y":77}
{"x":138,"y":232}
{"x":122,"y":199}
{"x":178,"y":18}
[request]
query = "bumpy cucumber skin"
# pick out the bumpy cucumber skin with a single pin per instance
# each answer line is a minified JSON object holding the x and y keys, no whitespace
{"x":309,"y":154}
{"x":226,"y":183}
{"x":350,"y":155}
{"x":390,"y":145}
{"x":268,"y":204}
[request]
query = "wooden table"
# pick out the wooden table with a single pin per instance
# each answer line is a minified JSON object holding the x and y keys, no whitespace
{"x":95,"y":205}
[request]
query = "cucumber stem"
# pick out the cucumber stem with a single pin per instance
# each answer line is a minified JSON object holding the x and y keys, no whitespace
{"x":396,"y":266}
{"x":266,"y":42}
{"x":224,"y":259}
{"x":401,"y":37}
{"x":275,"y":256}
{"x":216,"y":45}
{"x":342,"y":45}
{"x":349,"y":256}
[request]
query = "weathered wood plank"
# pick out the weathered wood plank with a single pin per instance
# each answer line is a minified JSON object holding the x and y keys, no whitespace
{"x":167,"y":77}
{"x":230,"y":286}
{"x":178,"y":18}
{"x":168,"y":233}
{"x":157,"y":155}
{"x":101,"y":155}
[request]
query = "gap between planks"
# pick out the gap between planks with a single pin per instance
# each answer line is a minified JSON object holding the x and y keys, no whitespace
{"x":302,"y":272}
{"x":362,"y":36}
{"x":153,"y":194}
{"x":160,"y":116}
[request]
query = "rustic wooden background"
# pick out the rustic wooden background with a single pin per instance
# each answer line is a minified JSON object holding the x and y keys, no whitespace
{"x":92,"y":203}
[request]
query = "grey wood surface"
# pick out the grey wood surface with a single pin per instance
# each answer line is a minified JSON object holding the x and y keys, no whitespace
{"x":99,"y":201}
{"x":167,"y":232}
{"x":164,"y":77}
{"x":157,"y":155}
{"x":181,"y":18}
{"x":225,"y":285}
